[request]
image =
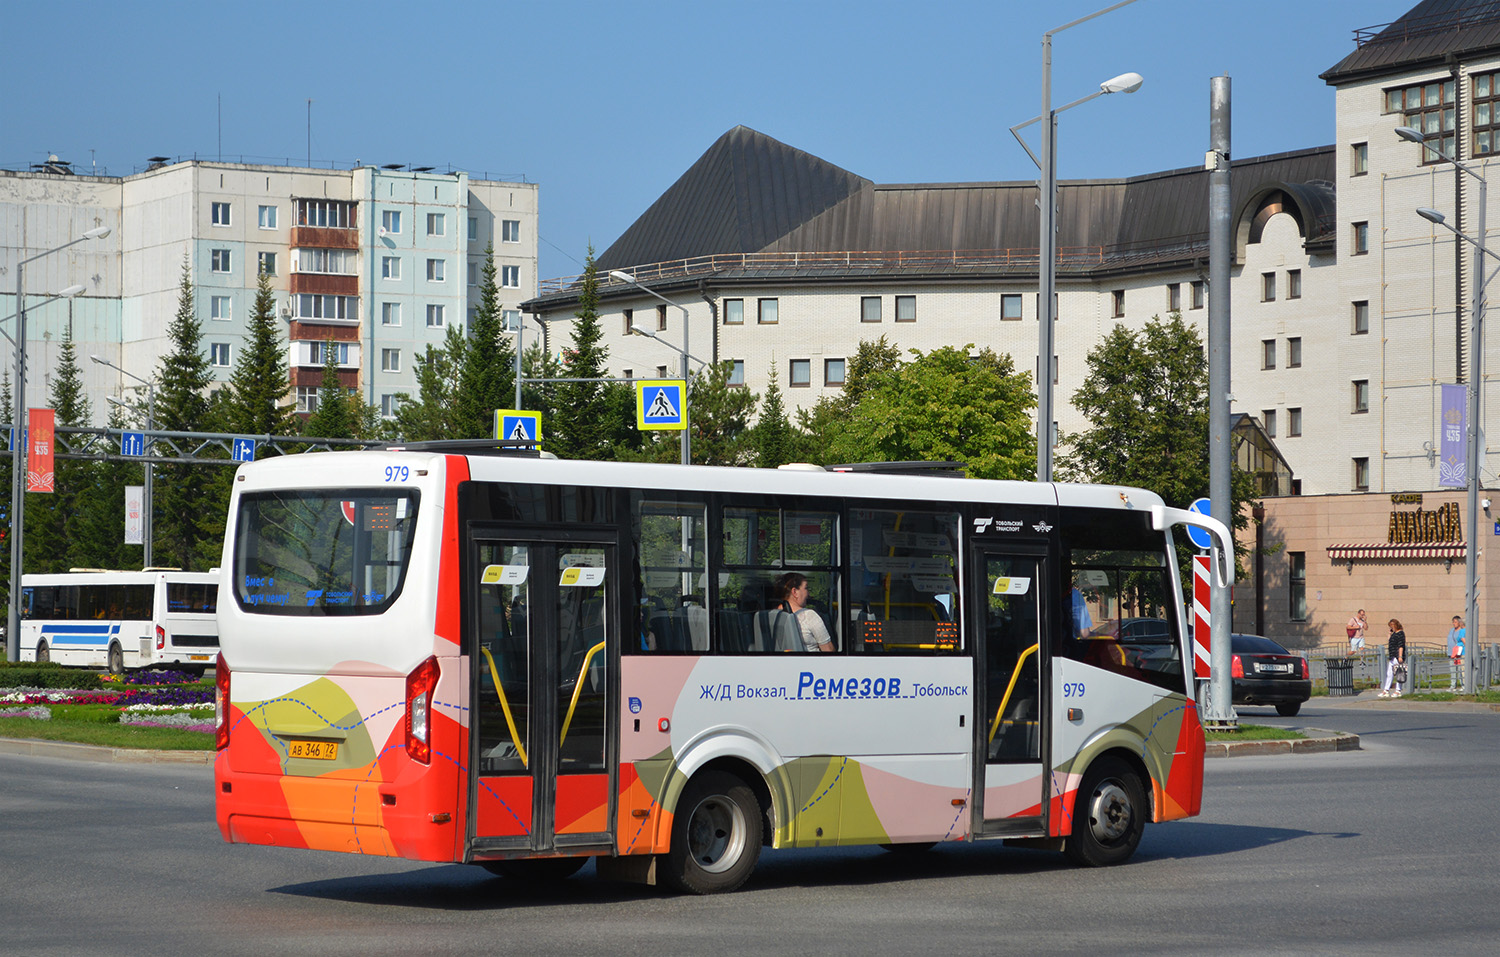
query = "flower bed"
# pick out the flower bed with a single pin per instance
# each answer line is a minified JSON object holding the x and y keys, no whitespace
{"x":163,"y":699}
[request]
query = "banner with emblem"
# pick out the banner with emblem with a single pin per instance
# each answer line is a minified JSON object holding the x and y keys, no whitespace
{"x":39,"y":429}
{"x":1453,"y":471}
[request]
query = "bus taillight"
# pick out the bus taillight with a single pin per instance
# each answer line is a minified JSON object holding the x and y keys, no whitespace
{"x":221,"y":704}
{"x":161,"y":637}
{"x":420,"y":685}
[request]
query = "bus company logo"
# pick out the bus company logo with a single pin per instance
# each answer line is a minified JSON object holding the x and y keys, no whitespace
{"x":635,"y":705}
{"x":1042,"y":527}
{"x":983,"y":525}
{"x":313,"y":594}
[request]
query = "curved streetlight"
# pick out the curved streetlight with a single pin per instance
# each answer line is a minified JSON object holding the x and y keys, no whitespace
{"x":1476,"y":385}
{"x":146,"y":525}
{"x":687,"y":440}
{"x":18,"y":450}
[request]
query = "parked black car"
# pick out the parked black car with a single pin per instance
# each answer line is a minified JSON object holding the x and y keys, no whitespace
{"x":1266,"y":673}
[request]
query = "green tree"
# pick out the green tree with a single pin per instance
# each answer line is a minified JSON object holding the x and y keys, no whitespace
{"x":1146,"y":397}
{"x":337,"y":415}
{"x":52,"y":532}
{"x":774,"y":438}
{"x":429,"y":415}
{"x":830,"y":415}
{"x":486,"y":375}
{"x":259,"y":384}
{"x":943,"y":405}
{"x":588,"y":416}
{"x":101,"y":513}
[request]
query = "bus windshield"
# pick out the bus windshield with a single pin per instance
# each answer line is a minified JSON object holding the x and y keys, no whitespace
{"x":339,"y":552}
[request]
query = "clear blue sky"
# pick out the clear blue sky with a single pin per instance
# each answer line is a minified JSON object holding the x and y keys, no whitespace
{"x":606,"y":104}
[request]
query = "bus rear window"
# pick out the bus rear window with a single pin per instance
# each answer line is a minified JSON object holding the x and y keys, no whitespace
{"x":322,"y":553}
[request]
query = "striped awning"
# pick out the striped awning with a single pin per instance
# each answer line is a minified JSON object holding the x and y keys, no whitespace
{"x":1386,"y":550}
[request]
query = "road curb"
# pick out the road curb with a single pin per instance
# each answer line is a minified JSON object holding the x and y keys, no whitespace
{"x":100,"y":755}
{"x":1325,"y":742}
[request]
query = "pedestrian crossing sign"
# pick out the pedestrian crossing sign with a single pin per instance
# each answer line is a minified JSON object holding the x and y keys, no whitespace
{"x":513,"y":425}
{"x":658,"y":404}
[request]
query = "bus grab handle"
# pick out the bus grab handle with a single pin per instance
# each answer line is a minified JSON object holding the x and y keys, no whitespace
{"x":505,"y":707}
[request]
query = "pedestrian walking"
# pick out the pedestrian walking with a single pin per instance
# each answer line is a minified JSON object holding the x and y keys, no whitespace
{"x":1395,"y":664}
{"x":1456,"y":655}
{"x":1356,"y":629}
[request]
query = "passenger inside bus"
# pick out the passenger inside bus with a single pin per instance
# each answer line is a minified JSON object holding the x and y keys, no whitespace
{"x":791,"y":589}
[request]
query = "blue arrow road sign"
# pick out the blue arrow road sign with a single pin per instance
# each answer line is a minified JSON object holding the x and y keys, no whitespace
{"x":132,"y":443}
{"x":1200,"y":536}
{"x":244,"y":450}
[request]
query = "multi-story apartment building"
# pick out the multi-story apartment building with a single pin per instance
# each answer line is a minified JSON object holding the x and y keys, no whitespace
{"x":381,"y":261}
{"x":1348,"y":311}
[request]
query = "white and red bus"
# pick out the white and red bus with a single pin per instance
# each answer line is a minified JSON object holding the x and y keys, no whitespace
{"x":525,"y":663}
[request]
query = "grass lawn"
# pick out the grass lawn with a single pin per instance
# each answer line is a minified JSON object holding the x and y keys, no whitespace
{"x":1255,"y":732}
{"x":107,"y":734}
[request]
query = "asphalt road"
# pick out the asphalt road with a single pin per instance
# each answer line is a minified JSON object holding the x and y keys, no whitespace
{"x":1389,"y":849}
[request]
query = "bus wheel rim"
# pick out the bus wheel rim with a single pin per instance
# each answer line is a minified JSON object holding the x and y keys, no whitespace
{"x":1110,"y":812}
{"x":716,"y":834}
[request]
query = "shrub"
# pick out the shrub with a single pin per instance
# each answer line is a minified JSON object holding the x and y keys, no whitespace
{"x":28,"y":674}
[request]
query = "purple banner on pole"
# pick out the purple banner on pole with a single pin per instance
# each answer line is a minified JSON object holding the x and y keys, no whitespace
{"x":1453,"y":469}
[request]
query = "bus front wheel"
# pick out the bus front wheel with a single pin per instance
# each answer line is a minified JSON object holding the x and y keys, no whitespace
{"x":116,"y":659}
{"x":1109,"y":815}
{"x":43,"y":653}
{"x":716,"y":835}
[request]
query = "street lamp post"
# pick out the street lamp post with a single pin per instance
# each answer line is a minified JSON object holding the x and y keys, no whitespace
{"x":1476,"y":383}
{"x":687,"y":439}
{"x":150,"y":425}
{"x":18,"y":451}
{"x":1047,"y":278}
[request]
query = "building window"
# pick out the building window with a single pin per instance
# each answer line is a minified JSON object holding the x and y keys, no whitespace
{"x":388,"y":404}
{"x":1294,"y":284}
{"x":661,"y":372}
{"x":390,"y":221}
{"x":1268,"y":287}
{"x":1359,"y":159}
{"x":1361,"y":396}
{"x":473,"y":228}
{"x":833,"y":372}
{"x":906,"y":308}
{"x":1293,"y":423}
{"x":318,"y":353}
{"x":799,"y":376}
{"x":390,"y":360}
{"x":1268,"y":421}
{"x":1294,"y":352}
{"x":1486,"y":111}
{"x":390,"y":267}
{"x":510,"y":320}
{"x":765,"y":311}
{"x":390,"y":313}
{"x":1361,"y":238}
{"x":218,"y":354}
{"x":1010,"y":306}
{"x":736,"y":372}
{"x":629,"y":317}
{"x":1362,"y":474}
{"x":661,"y":318}
{"x":1296,"y":580}
{"x":1200,"y":290}
{"x":1427,"y":107}
{"x":1174,"y":297}
{"x":219,"y":260}
{"x":218,"y":307}
{"x":436,"y":224}
{"x":869,"y":308}
{"x":266,"y":263}
{"x":734,"y":312}
{"x":473,"y":273}
{"x":510,"y":230}
{"x":1361,"y":317}
{"x":313,"y":306}
{"x":1117,"y":304}
{"x":1268,"y":353}
{"x":307,"y":398}
{"x":333,"y":213}
{"x":510,"y":277}
{"x":434,"y":316}
{"x":336,"y":262}
{"x":435,"y":268}
{"x":220,"y":214}
{"x":266,"y":217}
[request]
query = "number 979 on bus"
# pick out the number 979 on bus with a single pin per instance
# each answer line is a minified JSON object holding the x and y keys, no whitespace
{"x":397,"y":473}
{"x":1072,"y":689}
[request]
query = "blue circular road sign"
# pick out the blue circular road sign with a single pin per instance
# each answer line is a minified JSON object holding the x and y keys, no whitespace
{"x":1200,"y":537}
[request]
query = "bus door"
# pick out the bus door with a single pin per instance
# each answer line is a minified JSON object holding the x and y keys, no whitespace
{"x":1008,"y":585}
{"x":541,"y":612}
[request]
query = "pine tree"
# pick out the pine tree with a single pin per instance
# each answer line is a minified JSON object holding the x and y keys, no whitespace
{"x":188,"y":503}
{"x":486,"y":374}
{"x":429,"y":415}
{"x":259,"y":384}
{"x":101,"y":513}
{"x":774,"y":437}
{"x":587,"y":419}
{"x":335,"y":417}
{"x":52,"y":520}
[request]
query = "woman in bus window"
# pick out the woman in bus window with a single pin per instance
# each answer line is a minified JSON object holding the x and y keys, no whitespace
{"x":791,"y":590}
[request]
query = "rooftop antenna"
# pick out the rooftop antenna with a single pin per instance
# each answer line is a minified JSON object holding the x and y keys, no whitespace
{"x":309,"y":132}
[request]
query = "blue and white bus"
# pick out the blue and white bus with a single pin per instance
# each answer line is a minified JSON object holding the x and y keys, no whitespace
{"x":121,"y":619}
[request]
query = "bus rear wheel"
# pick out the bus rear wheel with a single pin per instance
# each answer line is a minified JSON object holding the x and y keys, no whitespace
{"x":716,"y":835}
{"x":116,"y":659}
{"x":43,"y":653}
{"x":1109,"y":815}
{"x":542,"y":870}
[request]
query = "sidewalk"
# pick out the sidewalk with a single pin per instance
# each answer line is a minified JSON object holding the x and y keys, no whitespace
{"x":1370,"y":700}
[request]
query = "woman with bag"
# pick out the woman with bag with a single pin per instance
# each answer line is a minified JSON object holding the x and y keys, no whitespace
{"x":1356,"y":630}
{"x":1395,"y":664}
